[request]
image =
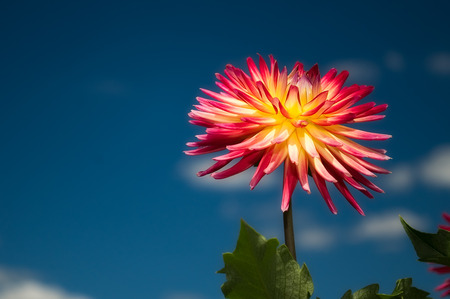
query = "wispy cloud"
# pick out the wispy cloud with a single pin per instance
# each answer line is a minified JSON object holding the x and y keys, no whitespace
{"x":401,"y":179}
{"x":433,"y":170}
{"x":385,"y":229}
{"x":436,"y":167}
{"x":361,"y":71}
{"x":316,"y":238}
{"x":382,"y":229}
{"x":394,"y":61}
{"x":17,"y":285}
{"x":439,"y":63}
{"x":189,"y":166}
{"x":386,"y":226}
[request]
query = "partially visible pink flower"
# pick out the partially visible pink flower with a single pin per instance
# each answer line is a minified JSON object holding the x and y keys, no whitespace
{"x":269,"y":118}
{"x":443,"y":269}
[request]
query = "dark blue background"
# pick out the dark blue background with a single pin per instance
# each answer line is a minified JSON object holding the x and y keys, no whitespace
{"x":93,"y":121}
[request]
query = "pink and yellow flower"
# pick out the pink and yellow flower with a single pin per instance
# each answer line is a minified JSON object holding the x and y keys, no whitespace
{"x":443,"y":269}
{"x":270,"y":117}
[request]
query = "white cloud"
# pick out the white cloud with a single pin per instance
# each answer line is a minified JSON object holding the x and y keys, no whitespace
{"x":361,"y":71}
{"x":436,"y":167}
{"x":316,"y":238}
{"x":189,"y":167}
{"x":401,"y":179}
{"x":386,"y":226}
{"x":433,"y":170}
{"x":394,"y":61}
{"x":383,"y":229}
{"x":15,"y":285}
{"x":439,"y":63}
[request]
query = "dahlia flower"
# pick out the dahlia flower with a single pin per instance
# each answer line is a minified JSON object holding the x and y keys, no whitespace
{"x":270,"y":117}
{"x":443,"y":269}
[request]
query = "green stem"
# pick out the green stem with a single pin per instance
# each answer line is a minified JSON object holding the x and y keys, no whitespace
{"x":289,"y":231}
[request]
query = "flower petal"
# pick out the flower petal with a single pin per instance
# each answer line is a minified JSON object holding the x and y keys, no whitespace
{"x":245,"y":163}
{"x":289,"y":182}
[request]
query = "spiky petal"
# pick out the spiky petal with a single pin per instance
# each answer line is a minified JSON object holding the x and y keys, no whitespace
{"x":443,"y":269}
{"x":269,"y":118}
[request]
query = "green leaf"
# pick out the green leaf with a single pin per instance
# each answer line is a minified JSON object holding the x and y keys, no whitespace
{"x":432,"y":248}
{"x":368,"y":292}
{"x":403,"y":290}
{"x":259,"y":269}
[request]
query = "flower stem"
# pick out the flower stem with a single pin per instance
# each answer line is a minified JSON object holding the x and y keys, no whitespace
{"x":289,"y":231}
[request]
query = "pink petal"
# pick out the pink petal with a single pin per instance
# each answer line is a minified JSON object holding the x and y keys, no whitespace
{"x":321,"y":185}
{"x":314,"y":76}
{"x":260,"y":136}
{"x":284,"y":132}
{"x":357,"y":134}
{"x":265,"y":74}
{"x":349,"y":160}
{"x":216,"y":166}
{"x":231,"y":155}
{"x":374,"y":110}
{"x":307,"y":143}
{"x":296,"y":71}
{"x":245,"y":163}
{"x":305,"y":89}
{"x":446,"y":217}
{"x":228,"y":84}
{"x":344,"y":190}
{"x":201,"y":123}
{"x":323,"y":136}
{"x":440,"y":269}
{"x":234,"y":76}
{"x":279,"y":154}
{"x":274,"y":72}
{"x":267,"y":141}
{"x":227,"y":107}
{"x":313,"y":106}
{"x":334,"y":120}
{"x":372,"y":167}
{"x":368,"y":118}
{"x":258,"y":104}
{"x":248,"y":127}
{"x":328,"y":78}
{"x":276,"y":103}
{"x":259,"y":173}
{"x":289,"y":182}
{"x":204,"y":150}
{"x":266,"y":96}
{"x":365,"y":151}
{"x":224,"y":98}
{"x":282,"y":83}
{"x":333,"y":162}
{"x":340,"y":106}
{"x":359,"y":178}
{"x":254,"y":72}
{"x":302,"y":170}
{"x":443,"y":286}
{"x":361,"y":108}
{"x":260,"y":120}
{"x":321,"y":170}
{"x":336,"y":84}
{"x":293,"y":100}
{"x":293,"y":148}
{"x":210,"y":117}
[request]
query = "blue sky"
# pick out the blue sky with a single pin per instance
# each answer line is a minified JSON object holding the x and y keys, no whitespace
{"x":97,"y":199}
